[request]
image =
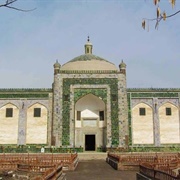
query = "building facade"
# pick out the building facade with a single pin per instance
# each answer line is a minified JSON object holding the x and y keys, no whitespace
{"x":90,"y":106}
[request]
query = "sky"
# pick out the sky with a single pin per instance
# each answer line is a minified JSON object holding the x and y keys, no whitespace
{"x":31,"y":42}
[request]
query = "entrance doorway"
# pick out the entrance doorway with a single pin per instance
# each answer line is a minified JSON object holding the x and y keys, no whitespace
{"x":90,"y":142}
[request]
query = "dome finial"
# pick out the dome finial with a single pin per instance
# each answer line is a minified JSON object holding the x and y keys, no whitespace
{"x":88,"y":46}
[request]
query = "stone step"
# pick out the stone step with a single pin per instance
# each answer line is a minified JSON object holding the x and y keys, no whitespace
{"x":92,"y":156}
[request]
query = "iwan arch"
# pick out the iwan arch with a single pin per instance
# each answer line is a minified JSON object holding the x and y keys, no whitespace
{"x":90,"y":106}
{"x":86,"y":107}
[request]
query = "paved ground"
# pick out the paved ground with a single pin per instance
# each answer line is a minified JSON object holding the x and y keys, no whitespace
{"x":92,"y":156}
{"x":98,"y":170}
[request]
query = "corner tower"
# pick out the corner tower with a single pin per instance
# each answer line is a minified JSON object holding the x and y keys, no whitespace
{"x":56,"y":122}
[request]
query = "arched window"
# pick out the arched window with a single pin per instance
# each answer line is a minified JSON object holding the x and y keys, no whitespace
{"x":87,"y":50}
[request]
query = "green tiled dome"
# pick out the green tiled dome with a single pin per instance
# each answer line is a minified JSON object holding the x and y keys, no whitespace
{"x":88,"y":61}
{"x":86,"y":57}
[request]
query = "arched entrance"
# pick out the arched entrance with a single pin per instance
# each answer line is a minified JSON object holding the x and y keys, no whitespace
{"x":90,"y":123}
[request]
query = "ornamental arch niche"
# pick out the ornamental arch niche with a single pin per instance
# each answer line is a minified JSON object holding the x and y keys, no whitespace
{"x":169,"y":123}
{"x":142,"y":124}
{"x":9,"y":115}
{"x":5,"y":105}
{"x":36,"y":128}
{"x":90,"y":122}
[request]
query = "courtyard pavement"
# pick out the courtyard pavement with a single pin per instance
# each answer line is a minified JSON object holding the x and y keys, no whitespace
{"x":98,"y":170}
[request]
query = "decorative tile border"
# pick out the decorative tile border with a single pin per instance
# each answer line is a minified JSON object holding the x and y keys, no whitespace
{"x":67,"y":82}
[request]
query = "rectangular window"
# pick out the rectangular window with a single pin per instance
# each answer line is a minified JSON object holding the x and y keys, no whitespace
{"x":9,"y":112}
{"x":101,"y":115}
{"x":37,"y":112}
{"x":142,"y":111}
{"x":114,"y":97}
{"x":78,"y":115}
{"x":66,"y":97}
{"x":168,"y":112}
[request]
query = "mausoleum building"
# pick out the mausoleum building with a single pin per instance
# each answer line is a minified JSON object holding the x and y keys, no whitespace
{"x":90,"y":106}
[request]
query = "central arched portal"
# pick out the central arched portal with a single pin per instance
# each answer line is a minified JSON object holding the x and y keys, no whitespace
{"x":90,"y":123}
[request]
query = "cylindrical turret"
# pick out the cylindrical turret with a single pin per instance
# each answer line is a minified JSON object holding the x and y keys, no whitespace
{"x":57,"y":67}
{"x":122,"y":68}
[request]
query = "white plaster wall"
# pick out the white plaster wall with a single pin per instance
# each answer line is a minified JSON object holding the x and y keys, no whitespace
{"x":90,"y":123}
{"x":88,"y":113}
{"x":89,"y":106}
{"x":169,"y":125}
{"x":90,"y":102}
{"x":78,"y":123}
{"x":142,"y":126}
{"x":9,"y":125}
{"x":102,"y":124}
{"x":36,"y":132}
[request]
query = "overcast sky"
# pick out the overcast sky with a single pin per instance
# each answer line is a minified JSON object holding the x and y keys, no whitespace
{"x":30,"y":43}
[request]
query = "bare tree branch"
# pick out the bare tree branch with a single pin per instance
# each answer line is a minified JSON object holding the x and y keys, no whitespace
{"x":173,"y":14}
{"x":7,"y":3}
{"x":20,"y":9}
{"x":160,"y":18}
{"x":157,"y":19}
{"x":10,"y":2}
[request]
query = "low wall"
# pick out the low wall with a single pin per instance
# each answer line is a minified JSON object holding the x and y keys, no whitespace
{"x":10,"y":160}
{"x":131,"y":161}
{"x":35,"y":172}
{"x":150,"y":172}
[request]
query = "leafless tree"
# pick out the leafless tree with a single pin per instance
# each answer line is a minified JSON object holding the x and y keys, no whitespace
{"x":9,"y":4}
